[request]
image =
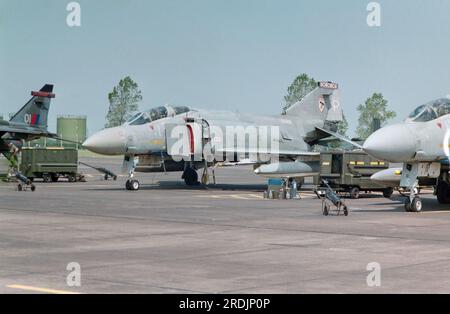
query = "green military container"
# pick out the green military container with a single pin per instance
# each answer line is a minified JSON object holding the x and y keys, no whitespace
{"x":350,"y":172}
{"x":50,"y":163}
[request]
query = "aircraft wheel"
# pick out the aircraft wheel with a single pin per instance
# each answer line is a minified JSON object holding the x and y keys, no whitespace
{"x":387,"y":193}
{"x":407,"y":205}
{"x":33,"y":188}
{"x":19,"y":187}
{"x":106,"y":177}
{"x":416,"y":205}
{"x":132,"y":185}
{"x":115,"y":178}
{"x":443,"y":192}
{"x":354,"y":193}
{"x":190,"y":176}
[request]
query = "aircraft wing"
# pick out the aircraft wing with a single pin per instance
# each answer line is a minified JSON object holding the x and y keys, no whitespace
{"x":22,"y":131}
{"x":340,"y":137}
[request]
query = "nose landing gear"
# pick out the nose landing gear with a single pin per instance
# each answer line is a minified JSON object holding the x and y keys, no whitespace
{"x":129,"y":166}
{"x":132,"y":185}
{"x":413,"y":203}
{"x":414,"y":206}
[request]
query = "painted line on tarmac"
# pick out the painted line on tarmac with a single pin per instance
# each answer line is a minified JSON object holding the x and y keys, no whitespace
{"x":71,"y":186}
{"x":241,"y":197}
{"x":250,"y":197}
{"x":38,"y":289}
{"x":246,"y":197}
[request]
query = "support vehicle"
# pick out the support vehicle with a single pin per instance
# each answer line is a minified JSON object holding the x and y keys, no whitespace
{"x":350,"y":172}
{"x":49,"y":164}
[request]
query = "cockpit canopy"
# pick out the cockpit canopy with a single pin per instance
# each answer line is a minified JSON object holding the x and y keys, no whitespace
{"x":154,"y":114}
{"x":139,"y":118}
{"x":431,"y":110}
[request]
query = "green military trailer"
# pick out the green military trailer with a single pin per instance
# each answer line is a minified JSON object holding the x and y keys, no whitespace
{"x":350,"y":172}
{"x":49,"y":163}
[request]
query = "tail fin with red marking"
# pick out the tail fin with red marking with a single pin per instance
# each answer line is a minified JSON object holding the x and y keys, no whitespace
{"x":35,"y":112}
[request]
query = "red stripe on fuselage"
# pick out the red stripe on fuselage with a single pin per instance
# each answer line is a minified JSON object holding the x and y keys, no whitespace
{"x":191,"y":139}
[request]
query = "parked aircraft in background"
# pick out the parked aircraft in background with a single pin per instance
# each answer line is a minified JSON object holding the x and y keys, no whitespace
{"x":29,"y":123}
{"x":421,"y":144}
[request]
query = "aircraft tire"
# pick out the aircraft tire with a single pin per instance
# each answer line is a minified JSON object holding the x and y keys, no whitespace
{"x":443,"y":192}
{"x":387,"y":193}
{"x":190,"y":177}
{"x":132,"y":185}
{"x":416,"y":205}
{"x":407,"y":205}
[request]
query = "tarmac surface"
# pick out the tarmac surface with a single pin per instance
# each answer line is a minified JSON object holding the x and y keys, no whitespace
{"x":169,"y":238}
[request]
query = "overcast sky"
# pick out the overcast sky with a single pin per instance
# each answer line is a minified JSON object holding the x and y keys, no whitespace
{"x":227,"y":54}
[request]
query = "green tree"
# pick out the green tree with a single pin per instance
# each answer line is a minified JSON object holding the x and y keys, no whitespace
{"x":375,"y":107}
{"x":342,"y":128}
{"x":301,"y":87}
{"x":123,"y":100}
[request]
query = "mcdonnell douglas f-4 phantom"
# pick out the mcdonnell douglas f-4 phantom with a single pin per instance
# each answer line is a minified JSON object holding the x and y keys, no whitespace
{"x":421,"y":144}
{"x":186,"y":139}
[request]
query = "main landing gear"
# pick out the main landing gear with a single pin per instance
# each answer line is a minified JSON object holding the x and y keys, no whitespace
{"x":443,"y":192}
{"x":190,"y":176}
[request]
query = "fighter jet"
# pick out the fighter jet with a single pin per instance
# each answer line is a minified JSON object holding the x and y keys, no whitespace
{"x":421,"y":144}
{"x":279,"y":146}
{"x":29,"y":123}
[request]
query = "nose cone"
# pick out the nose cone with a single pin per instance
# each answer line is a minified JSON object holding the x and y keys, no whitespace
{"x":107,"y":142}
{"x":395,"y":143}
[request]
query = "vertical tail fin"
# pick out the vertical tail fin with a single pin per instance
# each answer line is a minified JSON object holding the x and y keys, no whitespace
{"x":35,"y":112}
{"x":321,"y":105}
